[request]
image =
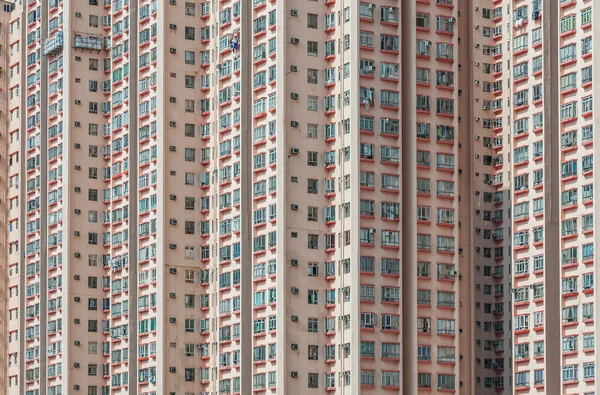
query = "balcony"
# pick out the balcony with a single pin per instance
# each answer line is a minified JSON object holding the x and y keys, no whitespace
{"x":53,"y":44}
{"x":87,"y":41}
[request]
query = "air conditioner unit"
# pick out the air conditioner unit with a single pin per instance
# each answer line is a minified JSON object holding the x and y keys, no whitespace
{"x":77,"y":255}
{"x":78,"y":58}
{"x":77,"y":167}
{"x":371,"y":6}
{"x":477,"y":137}
{"x":294,"y":124}
{"x":294,"y":207}
{"x":77,"y":102}
{"x":477,"y":119}
{"x":293,"y":68}
{"x":77,"y":189}
{"x":173,"y":270}
{"x":172,"y":320}
{"x":77,"y":299}
{"x":294,"y":12}
{"x":372,"y":231}
{"x":77,"y":233}
{"x":477,"y":249}
{"x":172,"y":369}
{"x":294,"y":96}
{"x":172,"y":50}
{"x":477,"y":63}
{"x":476,"y":26}
{"x":476,"y":45}
{"x":173,"y":197}
{"x":172,"y":246}
{"x":172,"y":124}
{"x":173,"y":99}
{"x":172,"y":221}
{"x":77,"y":124}
{"x":173,"y":2}
{"x":76,"y":387}
{"x":76,"y":321}
{"x":477,"y":230}
{"x":294,"y":346}
{"x":76,"y":365}
{"x":172,"y":148}
{"x":295,"y":291}
{"x":172,"y":295}
{"x":77,"y":277}
{"x":294,"y":151}
{"x":451,"y":19}
{"x":173,"y":26}
{"x":78,"y":14}
{"x":294,"y":375}
{"x":476,"y":82}
{"x":77,"y":211}
{"x":294,"y":318}
{"x":77,"y":145}
{"x":294,"y":262}
{"x":295,"y":40}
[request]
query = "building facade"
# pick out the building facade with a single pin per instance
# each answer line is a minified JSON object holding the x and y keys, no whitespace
{"x":269,"y":196}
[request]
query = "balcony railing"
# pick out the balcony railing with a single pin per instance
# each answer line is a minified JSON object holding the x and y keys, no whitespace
{"x":87,"y":41}
{"x":53,"y":44}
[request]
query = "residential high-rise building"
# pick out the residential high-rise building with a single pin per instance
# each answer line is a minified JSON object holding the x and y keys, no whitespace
{"x":297,"y":196}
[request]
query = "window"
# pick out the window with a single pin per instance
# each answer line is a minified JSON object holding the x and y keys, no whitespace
{"x":424,"y":380}
{"x":567,"y":23}
{"x":445,"y":106}
{"x":312,"y":21}
{"x":190,"y":33}
{"x":446,"y":382}
{"x":423,"y":48}
{"x":569,"y":314}
{"x":569,"y":373}
{"x":313,"y":325}
{"x":445,"y":51}
{"x":568,"y":53}
{"x":445,"y":24}
{"x":422,"y":21}
{"x":313,"y":48}
{"x":586,"y":75}
{"x":390,"y":43}
{"x":586,"y":46}
{"x":312,"y":103}
{"x":586,"y":104}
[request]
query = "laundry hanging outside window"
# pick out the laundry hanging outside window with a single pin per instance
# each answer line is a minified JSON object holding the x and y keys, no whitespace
{"x":234,"y":42}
